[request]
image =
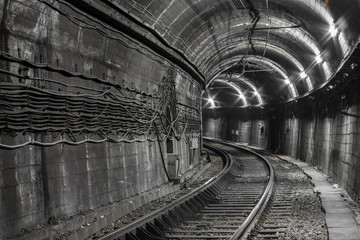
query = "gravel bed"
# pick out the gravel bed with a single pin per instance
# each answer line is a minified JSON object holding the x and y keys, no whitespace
{"x":307,"y":219}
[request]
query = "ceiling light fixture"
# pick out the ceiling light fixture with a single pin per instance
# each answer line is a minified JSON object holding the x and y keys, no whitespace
{"x":236,"y":88}
{"x":303,"y":75}
{"x":318,"y":59}
{"x":211,"y":102}
{"x":332,"y":30}
{"x":310,"y":84}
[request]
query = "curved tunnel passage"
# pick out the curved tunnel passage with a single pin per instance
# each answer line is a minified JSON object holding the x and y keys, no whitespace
{"x":106,"y":94}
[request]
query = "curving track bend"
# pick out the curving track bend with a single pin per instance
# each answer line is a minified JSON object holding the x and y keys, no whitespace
{"x":225,"y":207}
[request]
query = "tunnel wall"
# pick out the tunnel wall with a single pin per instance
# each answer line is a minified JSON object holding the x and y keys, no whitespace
{"x":79,"y":102}
{"x":246,"y":126}
{"x":325,"y":132}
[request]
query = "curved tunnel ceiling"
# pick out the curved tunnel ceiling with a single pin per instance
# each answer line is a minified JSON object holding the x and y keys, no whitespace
{"x":275,"y":49}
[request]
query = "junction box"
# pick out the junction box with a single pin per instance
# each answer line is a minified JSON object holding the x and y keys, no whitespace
{"x":194,"y":143}
{"x":173,"y":165}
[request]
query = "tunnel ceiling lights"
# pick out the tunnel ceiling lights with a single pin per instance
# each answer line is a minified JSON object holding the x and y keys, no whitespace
{"x":270,"y":63}
{"x":318,"y":59}
{"x":236,"y":88}
{"x":332,"y":30}
{"x":309,"y":84}
{"x":289,"y":56}
{"x":270,"y":46}
{"x":315,"y":48}
{"x":283,"y":52}
{"x":280,"y":51}
{"x":204,"y":23}
{"x":299,"y":34}
{"x":211,"y":101}
{"x":303,"y":75}
{"x":251,"y":85}
{"x":265,"y":63}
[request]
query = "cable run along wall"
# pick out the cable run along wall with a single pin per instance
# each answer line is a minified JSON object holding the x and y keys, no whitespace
{"x":82,"y":107}
{"x":79,"y":102}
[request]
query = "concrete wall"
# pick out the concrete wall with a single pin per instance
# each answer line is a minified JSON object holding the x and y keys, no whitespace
{"x":57,"y":50}
{"x":326,"y":133}
{"x":323,"y":130}
{"x":247,"y":126}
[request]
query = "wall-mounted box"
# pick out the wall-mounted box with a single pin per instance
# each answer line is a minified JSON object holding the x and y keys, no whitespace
{"x":173,"y":165}
{"x":194,"y":143}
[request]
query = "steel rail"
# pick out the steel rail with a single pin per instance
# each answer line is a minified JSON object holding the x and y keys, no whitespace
{"x":245,"y":228}
{"x":156,"y":214}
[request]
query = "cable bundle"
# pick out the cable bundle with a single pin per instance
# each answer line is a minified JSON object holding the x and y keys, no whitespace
{"x":41,"y":98}
{"x":115,"y":114}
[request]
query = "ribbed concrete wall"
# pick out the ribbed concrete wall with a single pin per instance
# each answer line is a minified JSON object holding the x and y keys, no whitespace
{"x":327,"y":135}
{"x":247,"y":126}
{"x":49,"y":48}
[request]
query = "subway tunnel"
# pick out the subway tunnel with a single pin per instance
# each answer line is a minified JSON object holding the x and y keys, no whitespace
{"x":99,"y":97}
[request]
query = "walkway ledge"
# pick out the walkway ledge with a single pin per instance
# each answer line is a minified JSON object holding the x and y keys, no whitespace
{"x":339,"y":217}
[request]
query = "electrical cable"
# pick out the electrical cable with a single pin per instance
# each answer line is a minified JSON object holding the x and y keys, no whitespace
{"x":85,"y":24}
{"x":243,"y":5}
{"x":163,"y":27}
{"x":24,"y":106}
{"x":268,"y":34}
{"x":254,"y":14}
{"x":161,"y":153}
{"x":28,"y":63}
{"x":38,"y":105}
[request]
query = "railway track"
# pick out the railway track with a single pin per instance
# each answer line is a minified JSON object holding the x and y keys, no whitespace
{"x":294,"y":210}
{"x":226,"y":207}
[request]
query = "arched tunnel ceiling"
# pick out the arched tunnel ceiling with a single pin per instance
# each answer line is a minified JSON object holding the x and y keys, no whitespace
{"x":284,"y":49}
